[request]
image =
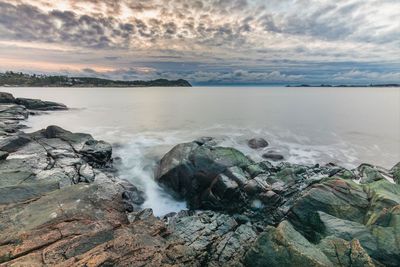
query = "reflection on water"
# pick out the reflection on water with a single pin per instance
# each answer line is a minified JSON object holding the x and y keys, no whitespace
{"x":307,"y":125}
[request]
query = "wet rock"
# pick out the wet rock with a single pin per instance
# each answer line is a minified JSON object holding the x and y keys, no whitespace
{"x":13,"y":143}
{"x":191,"y":169}
{"x":3,"y":155}
{"x":11,"y":114}
{"x":348,"y":230}
{"x":273,"y":156}
{"x":37,"y":104}
{"x":133,"y":199}
{"x":284,"y":246}
{"x":345,"y":253}
{"x":86,"y":173}
{"x":257,"y":143}
{"x":217,"y":238}
{"x":258,"y":168}
{"x":369,"y":174}
{"x":386,"y":233}
{"x":224,"y":187}
{"x":98,"y":152}
{"x":383,"y":196}
{"x":395,"y":171}
{"x":237,"y":174}
{"x":75,"y":140}
{"x":6,"y":98}
{"x":340,"y":198}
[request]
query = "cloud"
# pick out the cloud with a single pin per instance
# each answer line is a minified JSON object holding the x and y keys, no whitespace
{"x":367,"y":76}
{"x":261,"y":40}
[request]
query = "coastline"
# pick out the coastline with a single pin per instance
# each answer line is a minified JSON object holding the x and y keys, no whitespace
{"x":63,"y":203}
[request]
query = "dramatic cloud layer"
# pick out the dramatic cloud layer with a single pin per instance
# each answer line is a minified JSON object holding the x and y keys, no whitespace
{"x":207,"y":42}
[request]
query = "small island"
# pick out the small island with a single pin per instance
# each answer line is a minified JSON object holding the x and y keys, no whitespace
{"x":19,"y":79}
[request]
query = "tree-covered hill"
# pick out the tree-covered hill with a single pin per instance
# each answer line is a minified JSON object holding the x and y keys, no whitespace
{"x":21,"y":79}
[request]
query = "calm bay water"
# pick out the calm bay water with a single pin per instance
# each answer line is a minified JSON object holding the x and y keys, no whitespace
{"x":346,"y":126}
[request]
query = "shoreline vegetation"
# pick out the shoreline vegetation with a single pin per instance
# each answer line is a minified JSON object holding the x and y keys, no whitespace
{"x":62,"y":203}
{"x":19,"y":79}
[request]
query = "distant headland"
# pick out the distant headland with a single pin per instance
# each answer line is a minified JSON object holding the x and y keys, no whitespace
{"x":14,"y":79}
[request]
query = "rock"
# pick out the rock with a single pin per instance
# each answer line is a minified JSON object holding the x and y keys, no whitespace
{"x":383,"y":196}
{"x":98,"y":152}
{"x":340,"y":198}
{"x":11,"y":112}
{"x":217,"y":238}
{"x":6,"y":98}
{"x":369,"y":174}
{"x":190,"y":170}
{"x":258,"y":168}
{"x":284,"y":246}
{"x":60,"y":204}
{"x":19,"y":193}
{"x":79,"y":226}
{"x":224,"y":187}
{"x":348,"y":230}
{"x":257,"y":143}
{"x":386,"y":233}
{"x":273,"y":156}
{"x":13,"y":143}
{"x":395,"y":171}
{"x":133,"y":198}
{"x":36,"y":104}
{"x":3,"y":155}
{"x":345,"y":253}
{"x":87,"y":174}
{"x":237,"y":174}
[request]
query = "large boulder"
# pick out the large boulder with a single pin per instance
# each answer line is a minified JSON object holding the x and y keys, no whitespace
{"x":257,"y":143}
{"x":37,"y":104}
{"x":193,"y":171}
{"x":273,"y":156}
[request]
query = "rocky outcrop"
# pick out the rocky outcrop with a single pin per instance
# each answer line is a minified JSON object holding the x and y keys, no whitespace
{"x":309,"y":215}
{"x":62,"y":203}
{"x":31,"y":104}
{"x":37,"y":104}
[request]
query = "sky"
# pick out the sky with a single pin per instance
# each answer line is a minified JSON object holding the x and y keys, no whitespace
{"x":210,"y":42}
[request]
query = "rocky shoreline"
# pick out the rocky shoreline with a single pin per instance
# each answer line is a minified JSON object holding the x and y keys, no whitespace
{"x":62,"y":203}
